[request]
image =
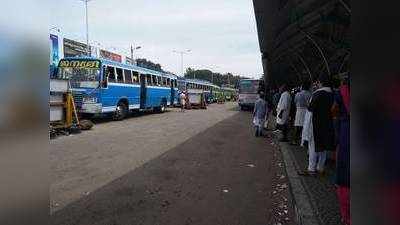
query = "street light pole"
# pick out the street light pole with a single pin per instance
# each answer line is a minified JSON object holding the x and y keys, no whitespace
{"x":87,"y":26}
{"x":132,"y":49}
{"x":182,"y":53}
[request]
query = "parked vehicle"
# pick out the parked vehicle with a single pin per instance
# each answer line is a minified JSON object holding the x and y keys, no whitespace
{"x":102,"y":86}
{"x":249,"y":92}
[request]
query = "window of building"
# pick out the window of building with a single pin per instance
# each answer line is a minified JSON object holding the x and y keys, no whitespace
{"x":128,"y":76}
{"x":135,"y":77}
{"x":110,"y":73}
{"x":120,"y":77}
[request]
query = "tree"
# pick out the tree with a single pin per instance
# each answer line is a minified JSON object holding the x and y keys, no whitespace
{"x":216,"y":78}
{"x":149,"y":65}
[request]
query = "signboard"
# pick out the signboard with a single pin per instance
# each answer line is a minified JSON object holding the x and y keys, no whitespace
{"x":111,"y":56}
{"x":92,"y":64}
{"x":73,"y":48}
{"x":54,"y":57}
{"x":54,"y":53}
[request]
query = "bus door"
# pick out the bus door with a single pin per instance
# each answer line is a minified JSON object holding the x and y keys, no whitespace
{"x":143,"y":91}
{"x":172,"y":91}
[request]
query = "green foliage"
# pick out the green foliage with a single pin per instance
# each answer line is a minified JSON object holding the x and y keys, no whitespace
{"x":149,"y":65}
{"x":217,"y":78}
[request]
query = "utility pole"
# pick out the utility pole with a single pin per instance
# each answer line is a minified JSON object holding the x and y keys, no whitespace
{"x":87,"y":26}
{"x":182,"y":53}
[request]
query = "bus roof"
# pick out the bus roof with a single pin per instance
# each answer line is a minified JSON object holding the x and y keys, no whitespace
{"x":199,"y":81}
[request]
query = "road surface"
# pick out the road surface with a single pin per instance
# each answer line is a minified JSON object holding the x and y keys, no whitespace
{"x":197,"y":167}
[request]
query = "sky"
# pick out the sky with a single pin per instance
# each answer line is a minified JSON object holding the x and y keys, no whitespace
{"x":221,"y":34}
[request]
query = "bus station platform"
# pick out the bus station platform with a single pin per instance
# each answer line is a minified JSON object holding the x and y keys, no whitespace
{"x":314,"y":198}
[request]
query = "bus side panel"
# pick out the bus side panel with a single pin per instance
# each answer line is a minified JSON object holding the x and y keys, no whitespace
{"x":115,"y":92}
{"x":156,"y":94}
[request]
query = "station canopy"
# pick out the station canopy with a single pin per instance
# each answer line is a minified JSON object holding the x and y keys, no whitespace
{"x":302,"y":39}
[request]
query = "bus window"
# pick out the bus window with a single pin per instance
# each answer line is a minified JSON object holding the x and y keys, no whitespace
{"x":148,"y":80}
{"x":168,"y":82}
{"x":135,"y":77}
{"x":154,"y":80}
{"x":128,"y":76}
{"x":110,"y":74}
{"x":164,"y":81}
{"x":175,"y":83}
{"x":159,"y":81}
{"x":120,"y":77}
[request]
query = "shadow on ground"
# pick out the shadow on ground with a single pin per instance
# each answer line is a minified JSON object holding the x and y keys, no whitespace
{"x":221,"y":176}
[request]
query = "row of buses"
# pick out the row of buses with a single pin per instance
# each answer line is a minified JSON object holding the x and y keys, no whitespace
{"x":101,"y":86}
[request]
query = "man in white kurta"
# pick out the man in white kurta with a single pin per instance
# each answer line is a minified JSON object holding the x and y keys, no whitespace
{"x":282,"y":112}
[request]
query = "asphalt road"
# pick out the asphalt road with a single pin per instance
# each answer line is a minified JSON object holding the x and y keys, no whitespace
{"x":216,"y":172}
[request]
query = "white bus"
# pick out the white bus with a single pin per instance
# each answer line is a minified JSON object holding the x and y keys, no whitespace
{"x":249,"y":92}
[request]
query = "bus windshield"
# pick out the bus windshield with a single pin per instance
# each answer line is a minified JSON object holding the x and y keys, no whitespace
{"x":81,"y":73}
{"x":249,"y":86}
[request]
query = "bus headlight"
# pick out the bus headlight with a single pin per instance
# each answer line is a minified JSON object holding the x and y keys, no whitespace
{"x":89,"y":100}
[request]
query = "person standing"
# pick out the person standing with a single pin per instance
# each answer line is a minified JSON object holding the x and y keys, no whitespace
{"x":260,"y":114}
{"x":275,"y":100}
{"x":282,"y":111}
{"x":301,"y":100}
{"x":182,"y":97}
{"x":342,"y":181}
{"x":321,"y":134}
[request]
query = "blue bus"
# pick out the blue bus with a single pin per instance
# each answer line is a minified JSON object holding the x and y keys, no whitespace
{"x":102,"y":86}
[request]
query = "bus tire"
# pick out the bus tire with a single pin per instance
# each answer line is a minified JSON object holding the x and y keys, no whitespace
{"x":162,"y":107}
{"x":121,"y":111}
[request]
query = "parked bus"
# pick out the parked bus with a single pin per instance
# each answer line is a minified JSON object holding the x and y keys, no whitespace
{"x":229,"y":93}
{"x":195,"y":85}
{"x":102,"y":86}
{"x":249,"y":92}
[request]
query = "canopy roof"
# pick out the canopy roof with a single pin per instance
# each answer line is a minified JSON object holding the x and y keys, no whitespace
{"x":301,"y":39}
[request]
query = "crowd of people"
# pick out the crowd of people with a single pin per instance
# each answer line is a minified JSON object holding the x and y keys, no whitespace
{"x":319,"y":114}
